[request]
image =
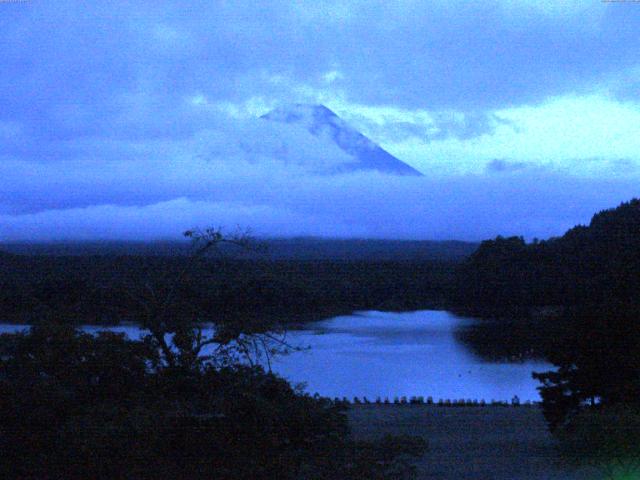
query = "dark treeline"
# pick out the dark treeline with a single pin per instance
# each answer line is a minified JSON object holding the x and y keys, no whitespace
{"x":298,"y":248}
{"x":573,"y":299}
{"x":529,"y":292}
{"x":578,"y":296}
{"x":107,"y":289}
{"x":593,"y":264}
{"x":76,"y":405}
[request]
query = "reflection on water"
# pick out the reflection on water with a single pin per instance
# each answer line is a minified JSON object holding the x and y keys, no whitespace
{"x":394,"y":354}
{"x":376,"y":354}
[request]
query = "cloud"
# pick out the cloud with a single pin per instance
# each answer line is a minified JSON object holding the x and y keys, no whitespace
{"x":278,"y":179}
{"x":499,"y":165}
{"x":392,"y":124}
{"x":144,"y":199}
{"x":136,"y":120}
{"x":563,"y":133}
{"x":436,"y":55}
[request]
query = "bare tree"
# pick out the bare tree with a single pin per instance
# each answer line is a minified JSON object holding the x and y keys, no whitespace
{"x":179,"y":336}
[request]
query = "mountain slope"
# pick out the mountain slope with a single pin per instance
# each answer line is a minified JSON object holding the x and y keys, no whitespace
{"x":320,"y":121}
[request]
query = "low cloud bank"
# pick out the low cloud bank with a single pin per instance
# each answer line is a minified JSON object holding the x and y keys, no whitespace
{"x":163,"y":201}
{"x":276,"y":179}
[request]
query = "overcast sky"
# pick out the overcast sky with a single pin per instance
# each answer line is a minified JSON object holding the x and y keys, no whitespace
{"x":138,"y":120}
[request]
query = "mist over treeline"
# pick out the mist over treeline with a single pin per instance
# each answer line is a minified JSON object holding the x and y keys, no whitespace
{"x":159,"y":200}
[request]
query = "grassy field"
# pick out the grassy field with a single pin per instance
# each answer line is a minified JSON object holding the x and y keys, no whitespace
{"x":474,"y":443}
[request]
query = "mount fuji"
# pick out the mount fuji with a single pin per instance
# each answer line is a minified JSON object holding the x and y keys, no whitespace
{"x":322,"y":122}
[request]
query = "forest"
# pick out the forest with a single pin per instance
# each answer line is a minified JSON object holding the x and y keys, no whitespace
{"x":105,"y":289}
{"x":578,"y":297}
{"x":594,"y":264}
{"x":572,"y":300}
{"x":76,"y":405}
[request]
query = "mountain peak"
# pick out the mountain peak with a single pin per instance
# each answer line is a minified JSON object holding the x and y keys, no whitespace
{"x":320,"y":120}
{"x":297,"y":112}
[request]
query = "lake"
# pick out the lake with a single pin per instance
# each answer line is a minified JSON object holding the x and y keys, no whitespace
{"x":380,"y":354}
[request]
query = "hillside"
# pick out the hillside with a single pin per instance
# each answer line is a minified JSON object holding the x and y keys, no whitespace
{"x":536,"y":298}
{"x":592,"y":264}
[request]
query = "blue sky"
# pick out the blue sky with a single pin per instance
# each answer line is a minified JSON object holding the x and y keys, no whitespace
{"x":138,"y":119}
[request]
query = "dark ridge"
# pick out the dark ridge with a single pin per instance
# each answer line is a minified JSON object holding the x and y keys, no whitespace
{"x":302,"y":248}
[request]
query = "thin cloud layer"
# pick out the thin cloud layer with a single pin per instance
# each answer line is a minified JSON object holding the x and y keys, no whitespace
{"x":148,"y":199}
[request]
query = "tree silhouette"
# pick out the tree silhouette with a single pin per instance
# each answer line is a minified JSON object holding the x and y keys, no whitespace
{"x":75,"y":405}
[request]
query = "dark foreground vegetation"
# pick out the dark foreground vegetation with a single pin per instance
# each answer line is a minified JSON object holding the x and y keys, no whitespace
{"x":81,"y":406}
{"x":574,"y":300}
{"x":75,"y":405}
{"x":579,"y":296}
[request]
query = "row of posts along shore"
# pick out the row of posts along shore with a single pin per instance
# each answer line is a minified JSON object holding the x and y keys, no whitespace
{"x":420,"y":400}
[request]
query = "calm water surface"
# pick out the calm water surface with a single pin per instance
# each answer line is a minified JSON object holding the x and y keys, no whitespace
{"x":377,"y":354}
{"x":394,"y":354}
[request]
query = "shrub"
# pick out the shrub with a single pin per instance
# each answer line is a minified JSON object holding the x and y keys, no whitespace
{"x":78,"y":406}
{"x":607,"y":438}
